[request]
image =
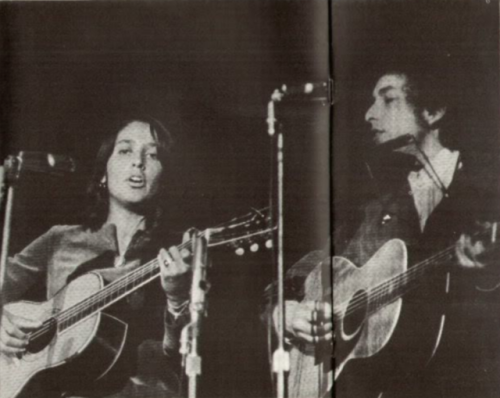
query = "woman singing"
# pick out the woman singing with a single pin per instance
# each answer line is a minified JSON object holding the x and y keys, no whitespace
{"x":123,"y":229}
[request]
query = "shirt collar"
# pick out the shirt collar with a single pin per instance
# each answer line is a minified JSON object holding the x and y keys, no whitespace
{"x":444,"y":164}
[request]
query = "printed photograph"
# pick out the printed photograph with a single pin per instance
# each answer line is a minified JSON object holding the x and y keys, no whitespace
{"x":140,"y":198}
{"x":415,"y":198}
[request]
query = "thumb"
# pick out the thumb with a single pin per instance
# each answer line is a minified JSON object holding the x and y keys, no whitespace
{"x":130,"y":266}
{"x":186,"y":237}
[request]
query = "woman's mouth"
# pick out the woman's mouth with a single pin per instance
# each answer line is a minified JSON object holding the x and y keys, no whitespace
{"x":136,"y":181}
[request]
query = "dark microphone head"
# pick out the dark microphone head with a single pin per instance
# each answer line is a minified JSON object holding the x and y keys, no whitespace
{"x":319,"y":91}
{"x":39,"y":162}
{"x":396,"y":143}
{"x":385,"y":164}
{"x":60,"y":163}
{"x":42,"y":162}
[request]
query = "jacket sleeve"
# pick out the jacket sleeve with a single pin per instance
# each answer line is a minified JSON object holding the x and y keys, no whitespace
{"x":28,"y":267}
{"x":173,"y":330}
{"x":294,"y":283}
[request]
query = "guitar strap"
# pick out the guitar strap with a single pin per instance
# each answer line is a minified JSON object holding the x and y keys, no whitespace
{"x":102,"y":261}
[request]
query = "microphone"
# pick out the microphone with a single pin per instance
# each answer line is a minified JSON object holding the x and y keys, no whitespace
{"x":396,"y":143}
{"x":381,"y":157}
{"x":321,"y":91}
{"x":38,"y":162}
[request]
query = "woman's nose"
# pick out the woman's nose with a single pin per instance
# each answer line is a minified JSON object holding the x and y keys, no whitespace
{"x":138,"y":161}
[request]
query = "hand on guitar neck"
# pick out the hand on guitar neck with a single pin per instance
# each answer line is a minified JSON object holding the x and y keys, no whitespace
{"x":176,"y":272}
{"x":309,"y":321}
{"x":476,"y":251}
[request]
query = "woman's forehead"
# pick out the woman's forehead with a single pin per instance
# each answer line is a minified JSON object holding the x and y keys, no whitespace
{"x":136,"y":131}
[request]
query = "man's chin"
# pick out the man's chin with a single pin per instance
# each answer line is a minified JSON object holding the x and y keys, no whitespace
{"x":379,"y":140}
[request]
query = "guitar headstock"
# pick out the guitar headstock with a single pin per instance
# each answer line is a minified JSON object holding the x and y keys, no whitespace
{"x":494,"y":232}
{"x":487,"y":232}
{"x":250,"y":230}
{"x":483,"y":243}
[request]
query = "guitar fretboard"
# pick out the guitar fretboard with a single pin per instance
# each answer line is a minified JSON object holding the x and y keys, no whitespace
{"x":109,"y":295}
{"x":392,"y":289}
{"x":397,"y":287}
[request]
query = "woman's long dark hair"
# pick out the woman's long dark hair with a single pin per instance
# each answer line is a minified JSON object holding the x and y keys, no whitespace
{"x":98,"y":195}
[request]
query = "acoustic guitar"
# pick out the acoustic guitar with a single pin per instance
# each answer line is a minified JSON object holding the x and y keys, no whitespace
{"x":367,"y":308}
{"x":77,"y":334}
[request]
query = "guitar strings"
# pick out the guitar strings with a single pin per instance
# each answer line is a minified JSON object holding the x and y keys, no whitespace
{"x":126,"y":280}
{"x":143,"y":270}
{"x":390,"y":286}
{"x":99,"y":297}
{"x":85,"y":304}
{"x":394,"y":287}
{"x":402,"y":280}
{"x":373,"y":294}
{"x":411,"y":274}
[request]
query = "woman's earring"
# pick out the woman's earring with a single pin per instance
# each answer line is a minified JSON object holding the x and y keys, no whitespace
{"x":102,"y":184}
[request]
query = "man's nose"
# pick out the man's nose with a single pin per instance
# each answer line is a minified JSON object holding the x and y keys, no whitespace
{"x":370,"y":113}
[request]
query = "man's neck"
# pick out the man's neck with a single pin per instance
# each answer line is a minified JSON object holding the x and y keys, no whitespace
{"x":427,"y":147}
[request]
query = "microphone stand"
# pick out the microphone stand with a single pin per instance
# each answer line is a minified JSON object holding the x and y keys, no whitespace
{"x":9,"y":173}
{"x":14,"y":166}
{"x":191,"y":360}
{"x":2,"y":177}
{"x":281,"y":358}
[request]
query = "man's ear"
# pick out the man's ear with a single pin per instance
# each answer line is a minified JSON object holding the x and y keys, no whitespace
{"x":433,"y":117}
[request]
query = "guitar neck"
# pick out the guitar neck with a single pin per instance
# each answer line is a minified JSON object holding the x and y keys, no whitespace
{"x":396,"y":287}
{"x":115,"y":291}
{"x":111,"y":294}
{"x":376,"y":297}
{"x":238,"y":231}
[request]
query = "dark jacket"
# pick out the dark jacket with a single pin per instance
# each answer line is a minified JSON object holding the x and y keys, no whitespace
{"x":466,"y":361}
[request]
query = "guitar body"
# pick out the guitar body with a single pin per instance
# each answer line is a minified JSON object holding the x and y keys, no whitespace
{"x":70,"y":359}
{"x":376,"y":346}
{"x":380,"y":351}
{"x":310,"y":366}
{"x":362,"y":335}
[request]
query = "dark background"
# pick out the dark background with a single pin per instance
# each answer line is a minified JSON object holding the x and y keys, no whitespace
{"x":207,"y":70}
{"x":369,"y":34}
{"x":464,"y":36}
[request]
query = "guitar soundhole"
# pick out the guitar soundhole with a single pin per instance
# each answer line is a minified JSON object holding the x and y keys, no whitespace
{"x":42,"y":337}
{"x":355,"y":313}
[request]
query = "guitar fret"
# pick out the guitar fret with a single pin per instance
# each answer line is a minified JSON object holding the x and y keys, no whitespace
{"x":398,"y":286}
{"x":238,"y":230}
{"x":108,"y":295}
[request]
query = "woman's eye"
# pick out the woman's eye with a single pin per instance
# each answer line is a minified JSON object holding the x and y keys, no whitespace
{"x":124,"y":151}
{"x":389,"y":100}
{"x":152,"y":155}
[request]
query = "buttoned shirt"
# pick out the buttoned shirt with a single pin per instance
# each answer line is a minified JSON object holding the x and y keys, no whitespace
{"x":429,"y":183}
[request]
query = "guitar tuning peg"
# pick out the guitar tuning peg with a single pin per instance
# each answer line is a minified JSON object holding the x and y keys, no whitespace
{"x":240,"y":251}
{"x":254,"y":247}
{"x":269,"y":243}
